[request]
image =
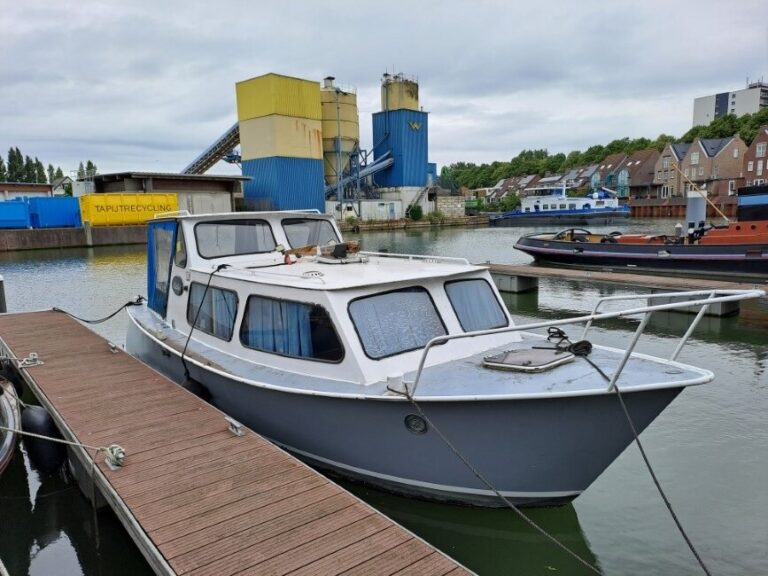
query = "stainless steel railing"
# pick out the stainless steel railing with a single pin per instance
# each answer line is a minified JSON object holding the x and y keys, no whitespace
{"x":713,"y":296}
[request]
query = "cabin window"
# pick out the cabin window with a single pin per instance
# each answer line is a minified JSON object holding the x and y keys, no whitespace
{"x":233,"y":238}
{"x":572,"y":206}
{"x":212,"y":310}
{"x":180,"y":258}
{"x":161,"y":242}
{"x":475,"y":305}
{"x":562,"y":206}
{"x":395,"y":322}
{"x":295,"y":329}
{"x":308,"y":232}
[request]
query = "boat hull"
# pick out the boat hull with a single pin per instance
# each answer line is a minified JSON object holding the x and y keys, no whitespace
{"x":535,"y":451}
{"x":578,"y":218}
{"x":745,"y":260}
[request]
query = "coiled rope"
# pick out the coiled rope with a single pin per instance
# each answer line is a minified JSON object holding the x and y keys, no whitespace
{"x":115,"y":454}
{"x":137,"y":302}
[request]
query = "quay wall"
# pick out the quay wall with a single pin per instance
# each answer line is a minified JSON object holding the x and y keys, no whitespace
{"x":41,"y":238}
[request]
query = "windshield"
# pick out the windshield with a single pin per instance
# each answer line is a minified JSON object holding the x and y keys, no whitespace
{"x":308,"y":232}
{"x":475,"y":305}
{"x":233,"y":238}
{"x":395,"y":322}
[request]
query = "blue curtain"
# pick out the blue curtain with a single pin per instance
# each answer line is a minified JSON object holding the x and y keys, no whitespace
{"x":160,"y":244}
{"x":224,"y":309}
{"x":278,"y":326}
{"x":217,"y":313}
{"x":475,"y":305}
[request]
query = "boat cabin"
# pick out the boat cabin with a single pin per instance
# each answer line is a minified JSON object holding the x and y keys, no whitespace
{"x":282,"y":290}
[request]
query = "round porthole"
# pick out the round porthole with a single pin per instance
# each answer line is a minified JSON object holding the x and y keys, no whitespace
{"x":177,"y":285}
{"x":415,"y":424}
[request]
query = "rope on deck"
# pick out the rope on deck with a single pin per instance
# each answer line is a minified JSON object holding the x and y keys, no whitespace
{"x":137,"y":302}
{"x":115,"y":454}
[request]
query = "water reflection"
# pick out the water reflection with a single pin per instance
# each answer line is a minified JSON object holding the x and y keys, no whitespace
{"x":48,"y":528}
{"x":491,"y":541}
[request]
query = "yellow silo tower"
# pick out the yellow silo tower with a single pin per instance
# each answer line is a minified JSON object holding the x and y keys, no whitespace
{"x":399,"y":93}
{"x":341,"y":128}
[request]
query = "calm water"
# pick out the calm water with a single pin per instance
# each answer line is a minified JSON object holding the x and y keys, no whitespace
{"x":708,"y":447}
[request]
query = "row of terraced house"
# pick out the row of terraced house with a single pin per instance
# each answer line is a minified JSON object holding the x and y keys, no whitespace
{"x":649,"y":181}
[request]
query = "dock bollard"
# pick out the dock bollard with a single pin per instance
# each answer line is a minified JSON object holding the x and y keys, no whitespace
{"x":3,"y":307}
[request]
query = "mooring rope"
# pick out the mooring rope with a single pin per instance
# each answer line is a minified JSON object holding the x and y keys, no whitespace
{"x":582,"y":349}
{"x":137,"y":302}
{"x":114,"y":452}
{"x":10,"y":389}
{"x":658,"y":484}
{"x":197,"y":314}
{"x":491,"y":487}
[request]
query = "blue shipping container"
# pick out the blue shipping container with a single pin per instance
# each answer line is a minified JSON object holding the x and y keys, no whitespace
{"x":279,"y":183}
{"x":14,"y":214}
{"x":54,"y":212}
{"x":404,"y":133}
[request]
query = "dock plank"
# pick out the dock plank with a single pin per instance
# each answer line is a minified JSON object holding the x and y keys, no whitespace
{"x":195,"y":498}
{"x":639,"y":278}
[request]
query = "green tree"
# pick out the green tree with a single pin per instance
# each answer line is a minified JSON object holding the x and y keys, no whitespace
{"x":447,"y":180}
{"x":3,"y":171}
{"x":39,"y":171}
{"x":15,"y":165}
{"x":51,"y":174}
{"x":661,"y":141}
{"x":90,"y":169}
{"x":30,"y":171}
{"x":81,"y":172}
{"x":59,"y":173}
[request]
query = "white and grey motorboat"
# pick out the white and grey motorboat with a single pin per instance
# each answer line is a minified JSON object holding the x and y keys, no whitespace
{"x":351,"y":360}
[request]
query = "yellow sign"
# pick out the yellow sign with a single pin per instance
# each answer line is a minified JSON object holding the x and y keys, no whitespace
{"x":118,"y":209}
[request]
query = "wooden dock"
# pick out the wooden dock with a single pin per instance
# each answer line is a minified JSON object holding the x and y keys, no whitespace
{"x":196,"y":498}
{"x":623,"y":278}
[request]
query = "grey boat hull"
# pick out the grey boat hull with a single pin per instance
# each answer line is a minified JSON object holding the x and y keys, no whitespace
{"x":535,"y":451}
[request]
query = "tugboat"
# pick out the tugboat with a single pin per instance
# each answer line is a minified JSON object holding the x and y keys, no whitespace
{"x":735,"y":249}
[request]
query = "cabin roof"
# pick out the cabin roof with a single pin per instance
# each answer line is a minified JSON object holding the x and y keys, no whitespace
{"x":274,"y":215}
{"x":314,"y":273}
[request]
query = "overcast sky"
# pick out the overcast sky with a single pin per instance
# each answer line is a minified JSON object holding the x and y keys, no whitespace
{"x":147,"y":85}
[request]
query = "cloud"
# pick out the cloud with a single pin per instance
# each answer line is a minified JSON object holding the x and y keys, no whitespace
{"x":148,"y":85}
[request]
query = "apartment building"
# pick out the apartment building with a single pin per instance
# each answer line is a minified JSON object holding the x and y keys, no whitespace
{"x":739,"y":102}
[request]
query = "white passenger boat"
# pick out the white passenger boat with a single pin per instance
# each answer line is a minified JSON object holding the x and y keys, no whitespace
{"x":552,"y":205}
{"x":352,"y":360}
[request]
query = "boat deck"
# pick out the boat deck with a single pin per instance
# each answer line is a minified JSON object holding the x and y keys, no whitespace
{"x":196,"y":498}
{"x":449,"y":379}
